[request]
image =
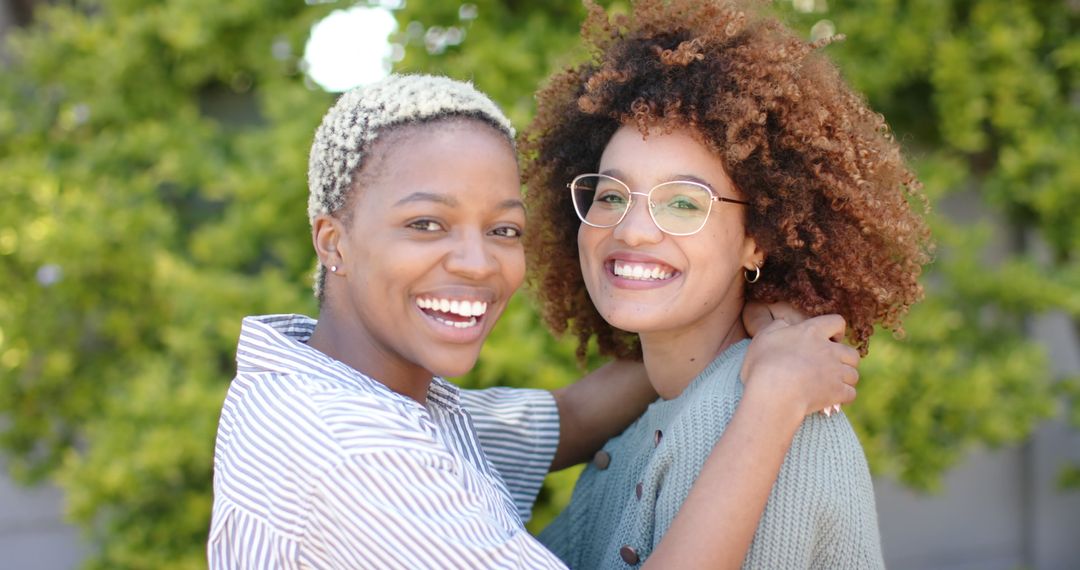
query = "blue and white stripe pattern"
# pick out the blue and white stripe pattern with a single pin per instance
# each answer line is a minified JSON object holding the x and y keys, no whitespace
{"x":319,"y":466}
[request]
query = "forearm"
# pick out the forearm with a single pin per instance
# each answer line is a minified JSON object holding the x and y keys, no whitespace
{"x":599,"y":407}
{"x":716,"y":523}
{"x":789,"y":371}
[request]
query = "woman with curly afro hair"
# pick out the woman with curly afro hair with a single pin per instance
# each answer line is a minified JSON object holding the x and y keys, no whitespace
{"x":703,"y":157}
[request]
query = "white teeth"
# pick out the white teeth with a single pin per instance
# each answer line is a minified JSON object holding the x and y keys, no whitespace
{"x":457,"y":307}
{"x":640,"y":272}
{"x":458,"y":324}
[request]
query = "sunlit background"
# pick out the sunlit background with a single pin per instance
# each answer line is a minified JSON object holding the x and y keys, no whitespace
{"x":152,"y":191}
{"x":350,"y":47}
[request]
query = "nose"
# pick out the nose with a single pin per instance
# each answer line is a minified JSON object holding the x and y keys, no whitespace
{"x":471,"y":258}
{"x":637,"y":226}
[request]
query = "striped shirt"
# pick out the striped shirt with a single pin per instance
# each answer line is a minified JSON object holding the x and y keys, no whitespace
{"x":319,"y":466}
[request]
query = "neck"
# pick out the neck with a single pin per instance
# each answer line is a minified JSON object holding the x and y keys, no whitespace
{"x":344,"y":340}
{"x":674,"y":358}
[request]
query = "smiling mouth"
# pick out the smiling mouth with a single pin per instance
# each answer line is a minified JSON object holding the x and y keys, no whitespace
{"x":457,"y":313}
{"x":642,"y":271}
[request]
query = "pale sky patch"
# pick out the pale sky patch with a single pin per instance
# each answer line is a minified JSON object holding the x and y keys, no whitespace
{"x":350,"y":48}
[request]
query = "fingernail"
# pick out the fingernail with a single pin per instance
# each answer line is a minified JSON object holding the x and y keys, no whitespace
{"x":827,"y":412}
{"x":836,"y":408}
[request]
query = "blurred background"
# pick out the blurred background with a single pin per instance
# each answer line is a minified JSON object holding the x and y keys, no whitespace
{"x":153,"y":164}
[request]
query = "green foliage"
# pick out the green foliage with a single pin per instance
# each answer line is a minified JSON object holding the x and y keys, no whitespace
{"x":1070,"y":390}
{"x":154,"y":159}
{"x":142,"y":218}
{"x":983,"y":94}
{"x":506,"y":48}
{"x":978,"y":91}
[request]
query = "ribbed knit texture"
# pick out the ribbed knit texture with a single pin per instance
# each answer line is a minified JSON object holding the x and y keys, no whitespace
{"x":820,"y":514}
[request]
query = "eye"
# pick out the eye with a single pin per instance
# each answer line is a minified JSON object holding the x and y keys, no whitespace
{"x":425,"y":225}
{"x":511,"y":232}
{"x":610,"y":197}
{"x":683,"y":203}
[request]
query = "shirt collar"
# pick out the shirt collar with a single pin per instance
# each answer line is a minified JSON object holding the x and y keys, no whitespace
{"x":443,"y":393}
{"x":278,"y":344}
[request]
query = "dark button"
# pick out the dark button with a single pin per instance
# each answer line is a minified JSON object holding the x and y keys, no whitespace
{"x":629,"y":555}
{"x":638,"y":490}
{"x":657,"y":437}
{"x":601,"y":460}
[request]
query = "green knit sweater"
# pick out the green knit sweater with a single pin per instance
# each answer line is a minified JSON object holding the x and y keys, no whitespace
{"x":820,"y":514}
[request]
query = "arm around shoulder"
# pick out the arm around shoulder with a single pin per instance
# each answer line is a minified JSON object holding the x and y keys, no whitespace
{"x":598,"y":407}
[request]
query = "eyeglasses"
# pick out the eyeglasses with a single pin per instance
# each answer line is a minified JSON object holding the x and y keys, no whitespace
{"x":678,"y":208}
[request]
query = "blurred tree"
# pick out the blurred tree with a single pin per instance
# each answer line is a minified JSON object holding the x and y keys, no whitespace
{"x":982,"y":93}
{"x":154,"y":158}
{"x":154,"y":162}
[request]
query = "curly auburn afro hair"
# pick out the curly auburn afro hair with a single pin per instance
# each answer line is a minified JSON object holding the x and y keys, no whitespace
{"x":830,"y":196}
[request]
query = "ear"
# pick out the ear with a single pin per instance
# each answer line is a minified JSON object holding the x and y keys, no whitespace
{"x":327,"y":235}
{"x":752,"y":255}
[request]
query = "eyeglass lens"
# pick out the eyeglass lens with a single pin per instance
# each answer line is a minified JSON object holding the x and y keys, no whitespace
{"x":676,"y":207}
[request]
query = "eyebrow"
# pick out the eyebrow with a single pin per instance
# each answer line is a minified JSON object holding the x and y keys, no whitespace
{"x":692,"y":178}
{"x":616,"y":173}
{"x":452,"y":202}
{"x":427,"y":197}
{"x":511,"y":204}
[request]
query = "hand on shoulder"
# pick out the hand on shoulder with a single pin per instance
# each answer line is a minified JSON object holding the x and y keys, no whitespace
{"x":801,"y":367}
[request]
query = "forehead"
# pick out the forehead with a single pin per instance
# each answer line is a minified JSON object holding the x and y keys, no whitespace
{"x":681,"y":145}
{"x":462,"y":157}
{"x":403,"y":133}
{"x":661,"y":156}
{"x":407,"y":142}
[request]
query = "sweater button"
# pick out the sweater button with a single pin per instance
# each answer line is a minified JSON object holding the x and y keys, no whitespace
{"x":601,"y":460}
{"x":659,"y":435}
{"x":629,"y":555}
{"x":639,"y":489}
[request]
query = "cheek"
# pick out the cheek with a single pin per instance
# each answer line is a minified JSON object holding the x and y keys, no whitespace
{"x":587,"y":241}
{"x":714,"y":258}
{"x":512,"y":262}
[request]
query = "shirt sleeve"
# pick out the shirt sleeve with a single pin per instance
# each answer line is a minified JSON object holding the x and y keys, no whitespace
{"x":241,"y":540}
{"x":405,"y":509}
{"x":519,"y":431}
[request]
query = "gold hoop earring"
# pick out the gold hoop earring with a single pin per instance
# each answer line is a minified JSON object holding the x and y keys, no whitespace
{"x":757,"y":274}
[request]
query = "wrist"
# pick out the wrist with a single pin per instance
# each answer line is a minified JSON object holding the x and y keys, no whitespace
{"x":773,"y":406}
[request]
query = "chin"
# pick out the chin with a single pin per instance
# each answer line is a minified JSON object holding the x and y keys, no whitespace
{"x":451,"y":367}
{"x":629,"y":320}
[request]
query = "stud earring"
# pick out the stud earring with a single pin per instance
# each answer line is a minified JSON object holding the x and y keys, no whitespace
{"x":333,"y":269}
